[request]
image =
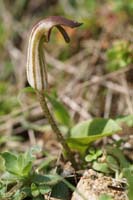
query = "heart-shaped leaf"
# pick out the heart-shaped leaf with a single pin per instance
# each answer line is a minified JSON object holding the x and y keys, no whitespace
{"x":86,"y":132}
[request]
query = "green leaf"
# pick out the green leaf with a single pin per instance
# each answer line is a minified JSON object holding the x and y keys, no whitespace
{"x":29,"y":156}
{"x":90,"y":158}
{"x":44,"y":189}
{"x":20,"y":164}
{"x":93,"y":156}
{"x":61,"y":191}
{"x":27,"y":169}
{"x":105,"y":197}
{"x":118,"y":155}
{"x":39,"y":189}
{"x":11,"y":163}
{"x":34,"y":190}
{"x":60,"y":112}
{"x":128,"y":120}
{"x":26,"y":160}
{"x":9,"y":178}
{"x":94,"y":127}
{"x":112,"y":163}
{"x":46,"y":179}
{"x":86,"y":132}
{"x":101,"y":167}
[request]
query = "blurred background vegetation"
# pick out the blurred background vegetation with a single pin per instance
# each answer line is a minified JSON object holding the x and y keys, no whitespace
{"x":92,"y":76}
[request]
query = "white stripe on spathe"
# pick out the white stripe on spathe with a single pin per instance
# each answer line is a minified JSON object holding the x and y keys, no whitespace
{"x":36,"y":69}
{"x":35,"y":72}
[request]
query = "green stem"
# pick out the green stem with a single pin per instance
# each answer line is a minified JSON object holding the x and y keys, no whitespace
{"x":44,"y":106}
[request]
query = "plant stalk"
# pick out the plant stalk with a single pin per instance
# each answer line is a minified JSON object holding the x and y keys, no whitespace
{"x":46,"y":111}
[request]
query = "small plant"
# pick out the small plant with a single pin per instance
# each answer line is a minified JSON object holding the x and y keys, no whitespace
{"x":119,"y":56}
{"x":93,"y":155}
{"x":36,"y":66}
{"x":20,"y":180}
{"x":82,"y":134}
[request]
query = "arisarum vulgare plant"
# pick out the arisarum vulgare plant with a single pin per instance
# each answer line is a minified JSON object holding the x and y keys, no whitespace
{"x":36,"y":66}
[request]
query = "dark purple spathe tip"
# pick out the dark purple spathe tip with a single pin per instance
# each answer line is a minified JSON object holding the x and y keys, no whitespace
{"x":58,"y":22}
